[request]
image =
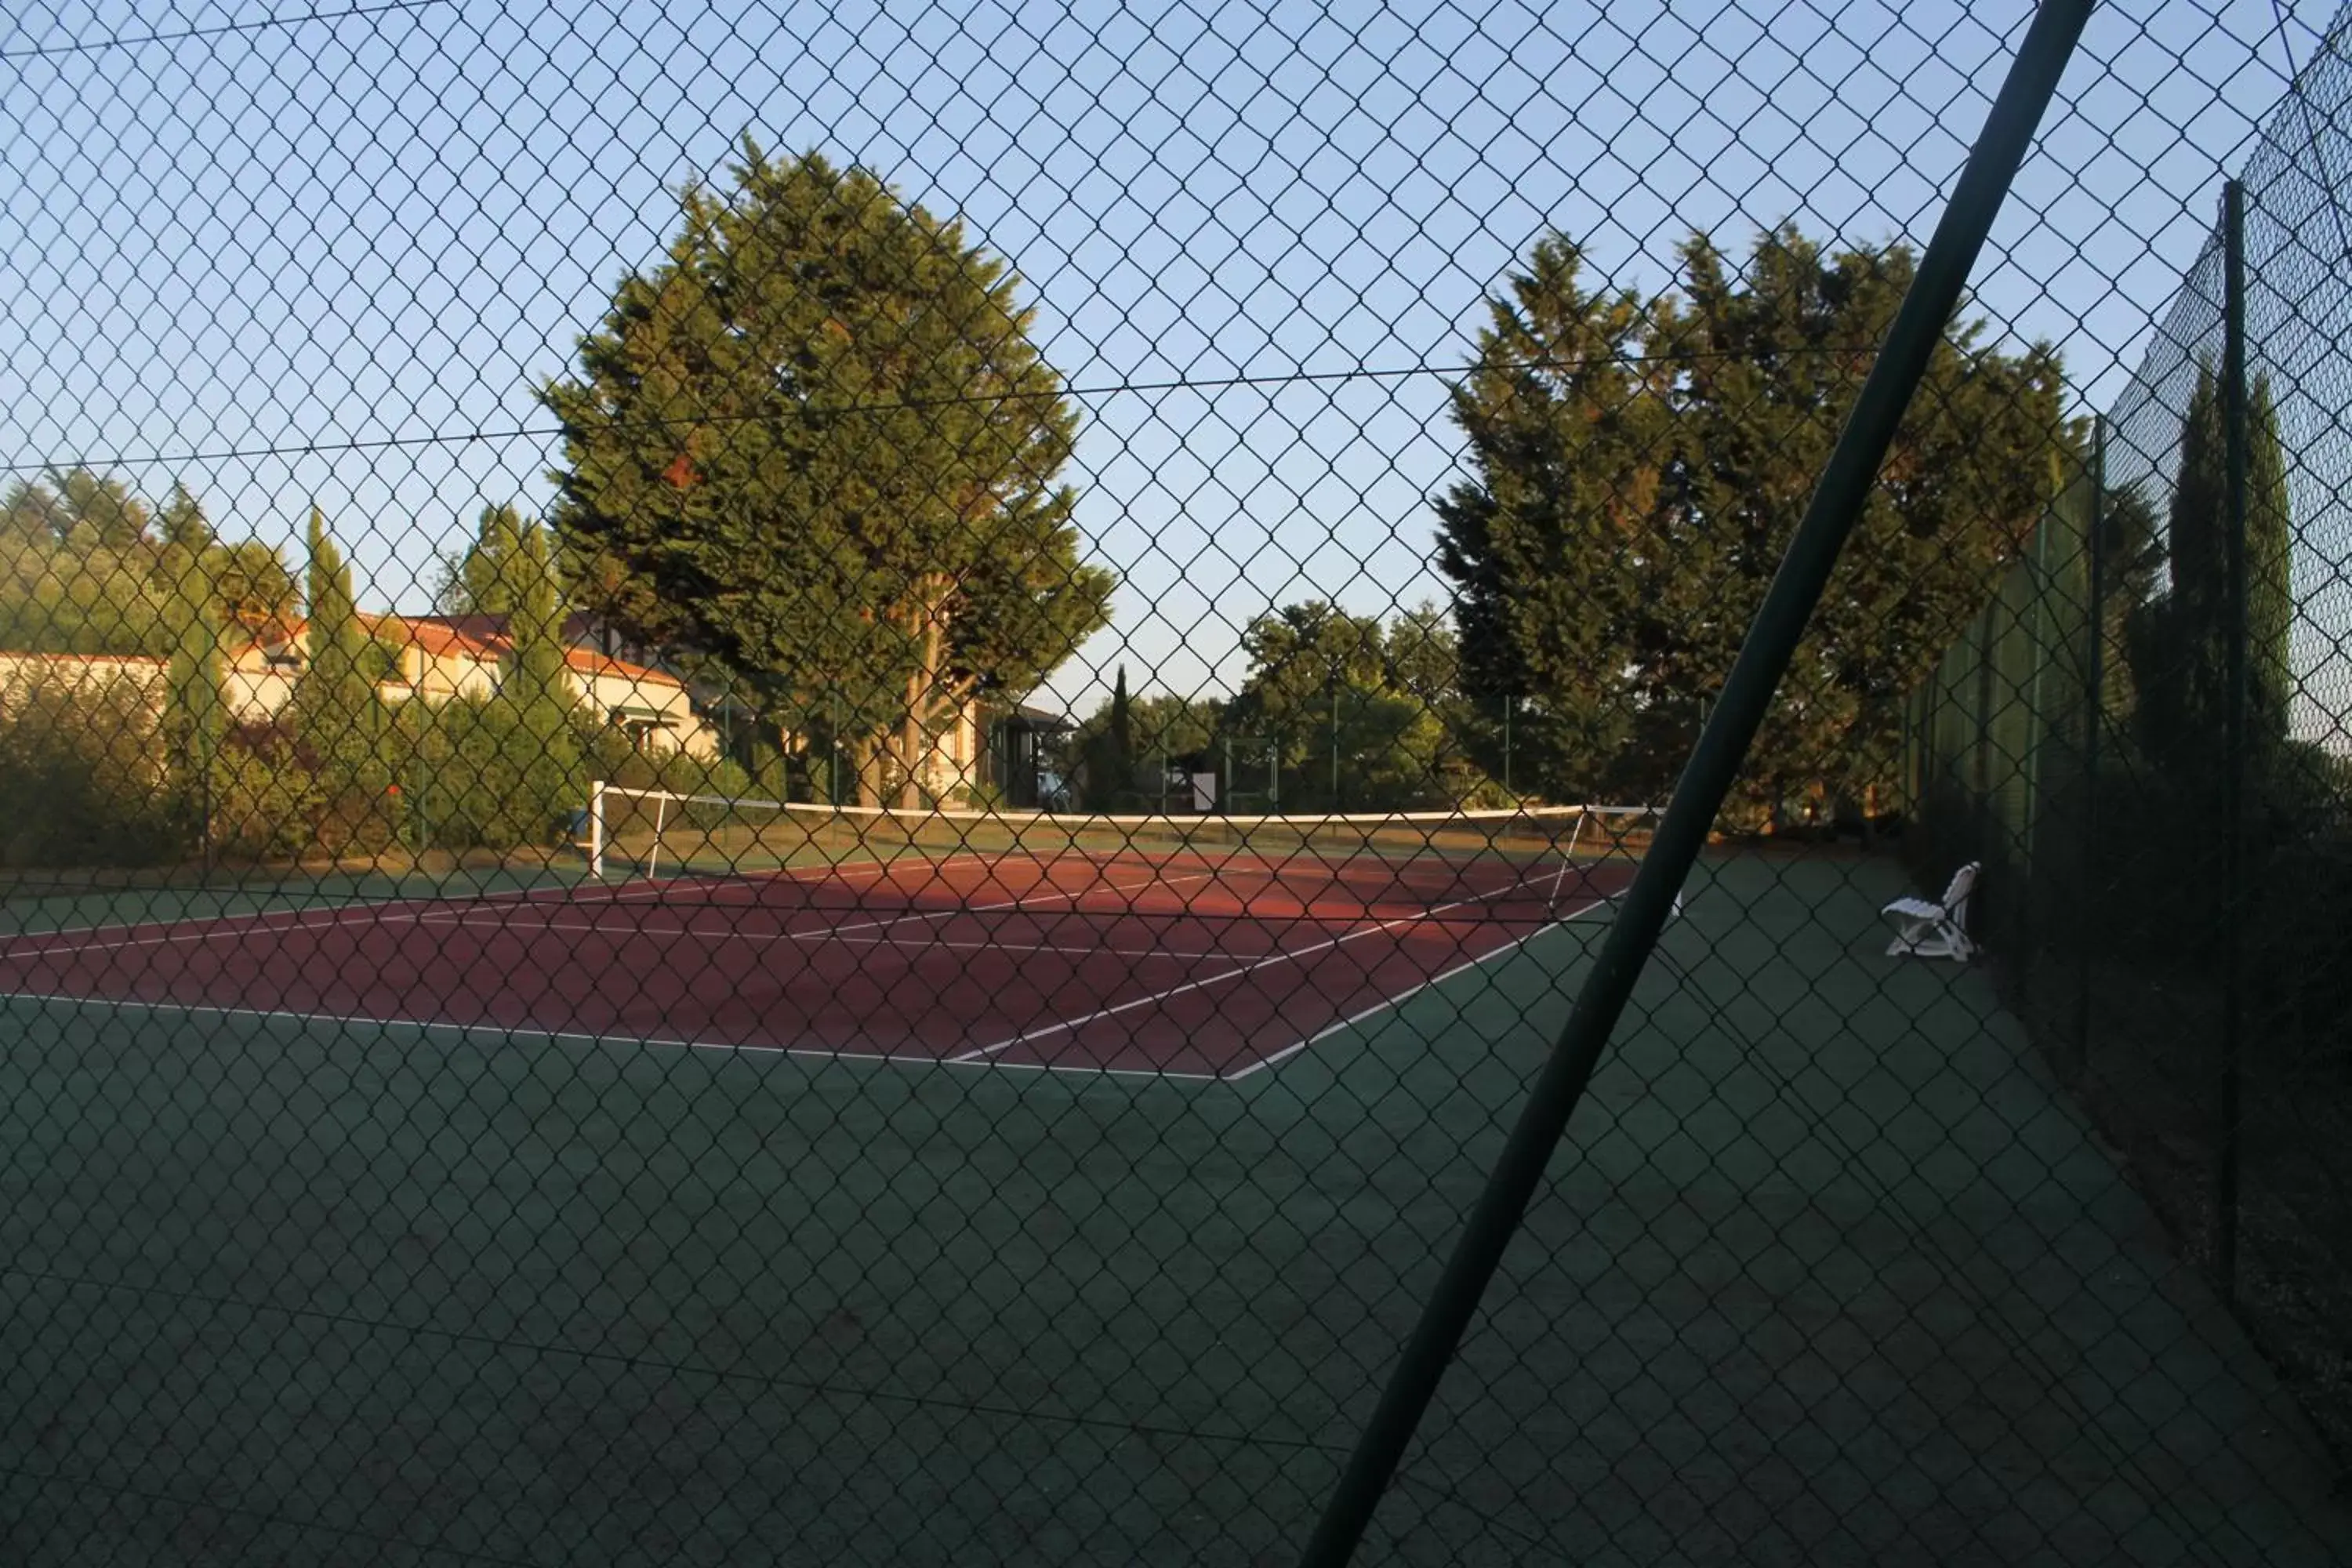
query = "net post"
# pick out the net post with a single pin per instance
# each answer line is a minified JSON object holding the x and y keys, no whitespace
{"x":653,"y":853}
{"x":597,"y":829}
{"x":1764,"y":656}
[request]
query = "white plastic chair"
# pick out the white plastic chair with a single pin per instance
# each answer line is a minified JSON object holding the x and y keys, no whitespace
{"x":1934,"y":928}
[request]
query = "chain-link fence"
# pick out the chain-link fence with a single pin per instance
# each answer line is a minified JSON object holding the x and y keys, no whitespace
{"x":781,"y":784}
{"x":2168,"y":864}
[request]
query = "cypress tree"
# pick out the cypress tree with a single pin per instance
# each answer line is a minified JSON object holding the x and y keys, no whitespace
{"x":535,"y":692}
{"x":195,"y":715}
{"x":2179,"y":644}
{"x":1108,"y":761}
{"x":2269,"y":590}
{"x":336,"y":709}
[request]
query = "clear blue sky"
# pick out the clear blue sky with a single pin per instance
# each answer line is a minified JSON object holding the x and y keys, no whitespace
{"x":332,"y":257}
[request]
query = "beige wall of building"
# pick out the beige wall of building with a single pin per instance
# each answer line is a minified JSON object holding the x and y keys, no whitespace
{"x":438,"y":662}
{"x":443,"y":674}
{"x":259,"y":681}
{"x":649,"y":703}
{"x":22,"y":672}
{"x":439,"y":665}
{"x":951,"y":768}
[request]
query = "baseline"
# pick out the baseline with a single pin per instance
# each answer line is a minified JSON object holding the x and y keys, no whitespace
{"x":571,"y":1037}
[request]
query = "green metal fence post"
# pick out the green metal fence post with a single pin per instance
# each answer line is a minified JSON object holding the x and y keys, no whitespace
{"x":2094,"y":688}
{"x":1764,"y":656}
{"x":1988,"y":909}
{"x":2234,"y":774}
{"x":1335,"y":745}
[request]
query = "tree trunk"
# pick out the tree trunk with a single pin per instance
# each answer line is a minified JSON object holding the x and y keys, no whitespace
{"x":922,"y":691}
{"x":910,"y":745}
{"x":866,"y":759}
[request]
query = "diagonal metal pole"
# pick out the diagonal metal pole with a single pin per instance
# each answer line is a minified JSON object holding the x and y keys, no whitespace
{"x":1771,"y":640}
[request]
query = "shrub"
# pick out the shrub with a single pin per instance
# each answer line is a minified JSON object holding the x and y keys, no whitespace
{"x":266,"y":799}
{"x":489,"y":781}
{"x":82,"y":781}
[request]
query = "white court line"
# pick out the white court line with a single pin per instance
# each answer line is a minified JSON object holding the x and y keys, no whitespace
{"x":248,"y":919}
{"x":1385,"y":1003}
{"x":1021,"y":903}
{"x":234,"y":921}
{"x":831,"y":870}
{"x":1288,"y":956}
{"x":573,"y":1037}
{"x":426,"y":911}
{"x":983,"y":1056}
{"x":915,"y":944}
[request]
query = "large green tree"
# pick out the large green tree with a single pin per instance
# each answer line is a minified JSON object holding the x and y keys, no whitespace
{"x":2270,"y":584}
{"x":1639,"y":466}
{"x":250,"y":587}
{"x":81,"y":504}
{"x":87,"y":567}
{"x":817,"y":446}
{"x":1123,"y":743}
{"x":77,"y":569}
{"x":1360,"y":715}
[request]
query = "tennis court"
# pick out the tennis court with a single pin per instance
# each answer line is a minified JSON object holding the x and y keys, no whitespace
{"x":1202,"y":949}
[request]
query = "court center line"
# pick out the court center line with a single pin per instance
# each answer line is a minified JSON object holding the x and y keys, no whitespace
{"x":1025,"y":901}
{"x":1022,"y":902}
{"x":913,"y":943}
{"x":1288,"y":956}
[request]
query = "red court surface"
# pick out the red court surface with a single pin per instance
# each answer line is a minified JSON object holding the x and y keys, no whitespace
{"x":1186,"y":968}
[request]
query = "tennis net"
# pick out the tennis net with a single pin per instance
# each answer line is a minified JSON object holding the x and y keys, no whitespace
{"x":1437,"y":855}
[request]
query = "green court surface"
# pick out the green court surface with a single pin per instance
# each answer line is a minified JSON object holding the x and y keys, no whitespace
{"x":1829,"y":1271}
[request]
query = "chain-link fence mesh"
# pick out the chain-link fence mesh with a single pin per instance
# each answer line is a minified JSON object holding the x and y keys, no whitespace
{"x":2175,"y":854}
{"x":781,"y":784}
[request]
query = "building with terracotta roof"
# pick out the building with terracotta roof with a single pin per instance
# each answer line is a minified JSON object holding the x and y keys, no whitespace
{"x":441,"y":658}
{"x":438,"y":658}
{"x":619,"y":680}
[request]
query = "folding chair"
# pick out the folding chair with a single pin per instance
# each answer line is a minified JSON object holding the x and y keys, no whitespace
{"x":1935,"y":929}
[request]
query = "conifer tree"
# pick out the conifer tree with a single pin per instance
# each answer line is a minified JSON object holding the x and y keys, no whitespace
{"x":337,"y":713}
{"x":535,"y":689}
{"x":195,"y":716}
{"x":817,"y":446}
{"x":1639,"y":466}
